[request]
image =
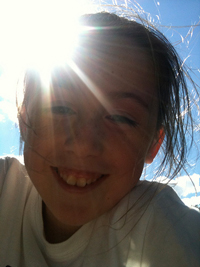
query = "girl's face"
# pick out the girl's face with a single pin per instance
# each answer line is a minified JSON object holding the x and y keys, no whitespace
{"x":92,"y":133}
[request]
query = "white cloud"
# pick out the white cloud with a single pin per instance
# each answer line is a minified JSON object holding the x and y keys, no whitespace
{"x":2,"y":118}
{"x":183,"y":185}
{"x":8,"y":86}
{"x":192,"y":201}
{"x":8,"y":108}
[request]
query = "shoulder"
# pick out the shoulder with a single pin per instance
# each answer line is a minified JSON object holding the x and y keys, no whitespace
{"x":164,"y":204}
{"x":167,"y":203}
{"x":11,"y":171}
{"x":6,"y":163}
{"x":173,"y":228}
{"x":162,"y":231}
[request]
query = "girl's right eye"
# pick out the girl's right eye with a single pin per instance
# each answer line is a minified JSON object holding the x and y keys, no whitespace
{"x":62,"y":110}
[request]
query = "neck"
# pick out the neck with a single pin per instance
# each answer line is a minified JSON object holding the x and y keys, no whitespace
{"x":55,"y":231}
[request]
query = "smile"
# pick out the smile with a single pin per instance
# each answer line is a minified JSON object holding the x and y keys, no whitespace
{"x":78,"y":178}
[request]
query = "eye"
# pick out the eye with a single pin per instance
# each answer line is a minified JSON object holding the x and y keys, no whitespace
{"x":62,"y":110}
{"x":120,"y":119}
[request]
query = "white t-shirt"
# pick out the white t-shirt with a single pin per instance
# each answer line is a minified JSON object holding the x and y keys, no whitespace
{"x":150,"y":227}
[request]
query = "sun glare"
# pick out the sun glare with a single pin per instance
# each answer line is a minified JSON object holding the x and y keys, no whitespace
{"x":90,"y":85}
{"x":38,"y":34}
{"x":53,"y":33}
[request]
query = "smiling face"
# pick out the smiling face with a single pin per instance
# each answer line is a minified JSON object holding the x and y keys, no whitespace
{"x":90,"y":138}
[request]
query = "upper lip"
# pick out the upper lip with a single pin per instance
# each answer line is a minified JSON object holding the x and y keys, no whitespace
{"x":78,"y":172}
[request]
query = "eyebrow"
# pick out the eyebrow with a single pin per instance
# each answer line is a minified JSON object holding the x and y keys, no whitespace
{"x":129,"y":95}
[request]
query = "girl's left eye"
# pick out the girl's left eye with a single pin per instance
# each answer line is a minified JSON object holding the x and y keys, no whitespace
{"x":63,"y":110}
{"x":120,"y":119}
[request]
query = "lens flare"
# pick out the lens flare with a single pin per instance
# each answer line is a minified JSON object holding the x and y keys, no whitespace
{"x":39,"y":33}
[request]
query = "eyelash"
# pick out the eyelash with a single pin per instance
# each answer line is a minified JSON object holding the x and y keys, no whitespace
{"x":122,"y":119}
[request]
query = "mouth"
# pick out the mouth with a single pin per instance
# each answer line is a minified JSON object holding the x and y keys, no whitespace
{"x":77,"y":179}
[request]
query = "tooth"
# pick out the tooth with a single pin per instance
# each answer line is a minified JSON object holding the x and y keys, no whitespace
{"x":94,"y":180}
{"x":77,"y":180}
{"x":61,"y":174}
{"x":81,"y":182}
{"x":89,"y":181}
{"x":71,"y":180}
{"x":65,"y":177}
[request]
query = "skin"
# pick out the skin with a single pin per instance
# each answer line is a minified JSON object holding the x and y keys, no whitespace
{"x":110,"y":131}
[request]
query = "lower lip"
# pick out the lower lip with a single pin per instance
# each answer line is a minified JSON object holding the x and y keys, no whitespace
{"x":77,"y":189}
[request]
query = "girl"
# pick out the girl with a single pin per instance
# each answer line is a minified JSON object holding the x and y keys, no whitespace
{"x":78,"y":200}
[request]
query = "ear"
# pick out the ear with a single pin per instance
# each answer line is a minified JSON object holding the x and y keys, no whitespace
{"x":155,"y":146}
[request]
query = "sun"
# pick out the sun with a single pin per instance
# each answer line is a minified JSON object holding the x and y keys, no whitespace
{"x":39,"y":33}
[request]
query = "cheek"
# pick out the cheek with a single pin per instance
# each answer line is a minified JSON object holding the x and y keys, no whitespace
{"x":43,"y":128}
{"x":130,"y":144}
{"x":127,"y":156}
{"x":34,"y":159}
{"x":38,"y":147}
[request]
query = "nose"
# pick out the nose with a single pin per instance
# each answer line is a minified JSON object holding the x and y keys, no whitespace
{"x":85,"y":139}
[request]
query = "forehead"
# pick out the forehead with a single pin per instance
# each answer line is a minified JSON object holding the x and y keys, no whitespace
{"x":112,"y":64}
{"x":127,"y":62}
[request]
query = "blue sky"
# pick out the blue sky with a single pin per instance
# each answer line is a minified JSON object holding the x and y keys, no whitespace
{"x":170,"y":17}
